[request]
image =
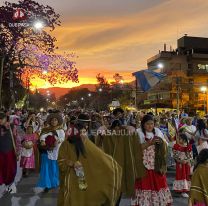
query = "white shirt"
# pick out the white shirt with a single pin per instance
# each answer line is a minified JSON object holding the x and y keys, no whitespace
{"x":191,"y":129}
{"x":150,"y":135}
{"x":203,"y":135}
{"x":53,"y":155}
{"x":202,"y":146}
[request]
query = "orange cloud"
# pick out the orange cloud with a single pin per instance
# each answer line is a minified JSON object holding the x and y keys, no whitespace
{"x":123,"y":42}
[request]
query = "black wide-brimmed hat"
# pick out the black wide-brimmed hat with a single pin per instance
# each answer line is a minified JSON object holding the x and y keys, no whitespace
{"x":83,"y":118}
{"x":55,"y":115}
{"x":117,"y":110}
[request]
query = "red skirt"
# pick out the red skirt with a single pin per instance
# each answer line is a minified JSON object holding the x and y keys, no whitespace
{"x":182,"y":181}
{"x":152,"y":190}
{"x":8,"y":167}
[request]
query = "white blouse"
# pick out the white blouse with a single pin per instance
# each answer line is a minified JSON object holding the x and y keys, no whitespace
{"x":150,"y":135}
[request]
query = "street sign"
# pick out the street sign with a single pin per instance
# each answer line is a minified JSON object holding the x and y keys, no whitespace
{"x":115,"y":104}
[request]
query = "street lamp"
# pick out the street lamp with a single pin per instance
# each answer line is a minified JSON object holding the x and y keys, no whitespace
{"x":38,"y":25}
{"x":100,"y":90}
{"x":89,"y":95}
{"x":204,"y":89}
{"x":160,"y":65}
{"x":82,"y":98}
{"x":44,"y":72}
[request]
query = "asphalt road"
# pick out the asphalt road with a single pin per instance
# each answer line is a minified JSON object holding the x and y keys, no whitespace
{"x":25,"y":195}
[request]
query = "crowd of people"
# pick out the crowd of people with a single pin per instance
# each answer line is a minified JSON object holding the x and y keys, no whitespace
{"x":96,"y":158}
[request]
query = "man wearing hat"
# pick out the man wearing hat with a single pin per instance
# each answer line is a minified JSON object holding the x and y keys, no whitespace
{"x":84,"y":120}
{"x":50,"y":141}
{"x":118,"y":114}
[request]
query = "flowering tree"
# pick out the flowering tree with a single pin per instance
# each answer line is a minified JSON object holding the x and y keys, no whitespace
{"x":14,"y":32}
{"x":54,"y":68}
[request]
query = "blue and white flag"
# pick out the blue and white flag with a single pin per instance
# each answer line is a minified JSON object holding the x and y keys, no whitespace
{"x":148,"y":79}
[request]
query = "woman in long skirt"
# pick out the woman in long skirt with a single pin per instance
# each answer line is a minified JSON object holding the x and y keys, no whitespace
{"x":152,"y":190}
{"x":51,"y":139}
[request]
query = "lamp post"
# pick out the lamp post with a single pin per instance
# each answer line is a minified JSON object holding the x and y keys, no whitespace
{"x":99,"y":92}
{"x":204,"y":89}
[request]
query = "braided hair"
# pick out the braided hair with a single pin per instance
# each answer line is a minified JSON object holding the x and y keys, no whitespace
{"x":76,"y":140}
{"x":145,"y":119}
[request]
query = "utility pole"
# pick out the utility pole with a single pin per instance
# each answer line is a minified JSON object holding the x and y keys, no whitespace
{"x":177,"y":95}
{"x":1,"y":78}
{"x":136,"y":94}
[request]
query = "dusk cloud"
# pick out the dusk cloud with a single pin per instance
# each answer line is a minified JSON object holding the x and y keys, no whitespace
{"x":120,"y":35}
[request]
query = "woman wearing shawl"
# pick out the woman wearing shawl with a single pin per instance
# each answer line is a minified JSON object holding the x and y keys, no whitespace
{"x":8,"y":158}
{"x":122,"y":143}
{"x":152,"y":189}
{"x":199,"y":182}
{"x":50,"y":141}
{"x":88,"y":176}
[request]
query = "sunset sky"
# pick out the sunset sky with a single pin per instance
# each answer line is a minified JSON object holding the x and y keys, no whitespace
{"x":119,"y":35}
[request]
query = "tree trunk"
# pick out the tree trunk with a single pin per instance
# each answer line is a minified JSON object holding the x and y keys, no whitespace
{"x":11,"y":86}
{"x":1,"y":77}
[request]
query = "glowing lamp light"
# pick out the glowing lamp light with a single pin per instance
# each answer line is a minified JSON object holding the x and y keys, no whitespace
{"x":89,"y":95}
{"x":160,"y":66}
{"x":38,"y":25}
{"x":45,"y":72}
{"x":122,"y":81}
{"x":203,"y":89}
{"x":100,"y":90}
{"x":82,"y":98}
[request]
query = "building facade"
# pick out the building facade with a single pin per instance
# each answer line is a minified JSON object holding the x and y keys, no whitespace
{"x":187,"y":76}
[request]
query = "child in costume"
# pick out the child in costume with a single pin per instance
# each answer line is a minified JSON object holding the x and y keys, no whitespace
{"x":182,"y":152}
{"x":27,"y":161}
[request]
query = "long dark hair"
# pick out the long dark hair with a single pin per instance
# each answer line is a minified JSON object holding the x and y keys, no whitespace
{"x":76,"y":140}
{"x":201,"y":126}
{"x":202,"y":158}
{"x":183,"y":137}
{"x":145,"y":119}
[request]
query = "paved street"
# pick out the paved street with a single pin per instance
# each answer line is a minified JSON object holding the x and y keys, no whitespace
{"x":26,"y":197}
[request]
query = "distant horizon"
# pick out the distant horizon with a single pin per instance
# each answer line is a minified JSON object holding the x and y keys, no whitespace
{"x":119,"y":36}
